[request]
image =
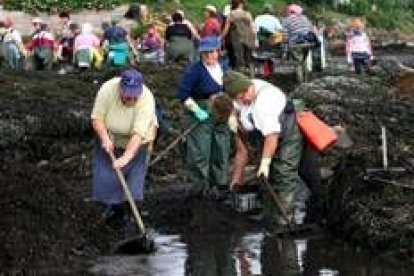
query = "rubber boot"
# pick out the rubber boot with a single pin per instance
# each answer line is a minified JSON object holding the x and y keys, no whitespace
{"x":114,"y":215}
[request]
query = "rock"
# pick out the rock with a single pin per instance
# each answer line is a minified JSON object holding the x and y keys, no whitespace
{"x":406,"y":81}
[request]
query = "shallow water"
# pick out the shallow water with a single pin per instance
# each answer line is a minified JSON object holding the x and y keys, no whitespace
{"x":247,"y":254}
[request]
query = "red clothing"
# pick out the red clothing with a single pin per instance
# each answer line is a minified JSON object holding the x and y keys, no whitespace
{"x":42,"y":39}
{"x":212,"y":27}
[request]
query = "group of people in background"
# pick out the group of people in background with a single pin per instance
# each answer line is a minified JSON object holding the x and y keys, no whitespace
{"x":171,"y":38}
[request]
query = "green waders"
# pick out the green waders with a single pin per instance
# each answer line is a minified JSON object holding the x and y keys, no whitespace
{"x":284,"y":170}
{"x":207,"y":152}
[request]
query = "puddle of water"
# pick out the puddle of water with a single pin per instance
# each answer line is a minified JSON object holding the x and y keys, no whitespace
{"x":168,"y":260}
{"x":243,"y":255}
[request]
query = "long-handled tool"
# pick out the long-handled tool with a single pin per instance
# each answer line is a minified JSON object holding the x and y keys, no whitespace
{"x":140,"y":243}
{"x":278,"y":201}
{"x":292,"y":227}
{"x":173,"y":144}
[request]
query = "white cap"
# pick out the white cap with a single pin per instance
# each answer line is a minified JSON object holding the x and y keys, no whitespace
{"x":37,"y":20}
{"x":226,"y":10}
{"x":87,"y":28}
{"x":210,"y":8}
{"x":181,"y":12}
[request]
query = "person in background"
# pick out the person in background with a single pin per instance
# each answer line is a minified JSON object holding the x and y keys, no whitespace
{"x":124,"y":121}
{"x":14,"y":50}
{"x":242,"y":34}
{"x":211,"y":24}
{"x":297,"y":28}
{"x":268,"y":123}
{"x":207,"y":146}
{"x":194,"y":32}
{"x":43,"y":47}
{"x":65,"y":52}
{"x":36,"y":22}
{"x":3,"y":31}
{"x":118,"y":44}
{"x":268,"y":27}
{"x":85,"y":47}
{"x":152,"y":45}
{"x":179,"y":40}
{"x":358,"y":46}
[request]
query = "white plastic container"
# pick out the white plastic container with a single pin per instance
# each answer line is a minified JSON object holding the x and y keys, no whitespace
{"x":245,"y":202}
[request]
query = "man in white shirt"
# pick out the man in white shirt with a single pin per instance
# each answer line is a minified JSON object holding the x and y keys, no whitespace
{"x":267,"y":118}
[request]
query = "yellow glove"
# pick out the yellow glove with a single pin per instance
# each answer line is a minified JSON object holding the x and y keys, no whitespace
{"x":232,"y":122}
{"x":264,"y":167}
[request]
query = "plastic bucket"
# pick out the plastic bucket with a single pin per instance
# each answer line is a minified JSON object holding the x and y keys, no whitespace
{"x":245,"y":199}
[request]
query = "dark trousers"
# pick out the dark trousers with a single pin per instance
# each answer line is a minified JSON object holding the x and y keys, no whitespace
{"x":361,"y":62}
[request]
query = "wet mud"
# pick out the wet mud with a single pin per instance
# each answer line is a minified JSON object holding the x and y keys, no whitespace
{"x":48,"y":219}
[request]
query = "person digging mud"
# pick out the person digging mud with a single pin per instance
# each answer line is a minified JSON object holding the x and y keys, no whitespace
{"x":267,"y":117}
{"x":208,"y":146}
{"x":124,"y":120}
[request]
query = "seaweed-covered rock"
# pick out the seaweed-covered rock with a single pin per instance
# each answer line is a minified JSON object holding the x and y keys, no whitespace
{"x":362,"y":202}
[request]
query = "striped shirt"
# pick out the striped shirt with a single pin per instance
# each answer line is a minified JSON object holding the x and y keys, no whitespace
{"x":296,"y":25}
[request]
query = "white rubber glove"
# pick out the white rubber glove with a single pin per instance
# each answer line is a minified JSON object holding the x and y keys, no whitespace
{"x":264,"y":167}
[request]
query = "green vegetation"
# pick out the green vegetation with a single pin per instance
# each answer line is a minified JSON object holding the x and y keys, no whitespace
{"x":387,"y":14}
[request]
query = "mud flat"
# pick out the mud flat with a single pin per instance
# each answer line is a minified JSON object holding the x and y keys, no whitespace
{"x":47,"y":216}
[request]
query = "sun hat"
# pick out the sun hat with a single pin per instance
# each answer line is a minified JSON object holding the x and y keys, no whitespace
{"x":131,"y":83}
{"x":210,"y":8}
{"x":209,"y":43}
{"x":235,"y":82}
{"x":294,"y":9}
{"x":226,"y":10}
{"x":37,"y":20}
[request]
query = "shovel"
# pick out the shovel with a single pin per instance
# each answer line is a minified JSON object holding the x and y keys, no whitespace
{"x":141,"y":243}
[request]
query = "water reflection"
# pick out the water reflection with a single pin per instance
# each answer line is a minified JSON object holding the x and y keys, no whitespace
{"x":245,"y":255}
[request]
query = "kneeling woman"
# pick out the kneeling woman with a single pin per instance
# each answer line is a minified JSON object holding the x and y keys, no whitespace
{"x":124,"y":120}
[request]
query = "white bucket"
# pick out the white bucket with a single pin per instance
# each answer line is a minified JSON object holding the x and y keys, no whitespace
{"x":245,"y":202}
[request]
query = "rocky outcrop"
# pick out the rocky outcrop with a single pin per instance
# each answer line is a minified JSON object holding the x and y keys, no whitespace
{"x":363,"y":201}
{"x":406,"y":81}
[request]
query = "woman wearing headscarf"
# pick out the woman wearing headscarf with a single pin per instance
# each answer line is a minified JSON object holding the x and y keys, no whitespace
{"x":297,"y":28}
{"x":208,"y":146}
{"x":212,"y":25}
{"x":124,"y":120}
{"x":85,"y":45}
{"x":43,"y":46}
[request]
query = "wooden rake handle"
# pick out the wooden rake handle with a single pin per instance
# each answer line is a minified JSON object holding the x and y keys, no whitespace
{"x":128,"y":195}
{"x":277,"y":200}
{"x":173,"y":144}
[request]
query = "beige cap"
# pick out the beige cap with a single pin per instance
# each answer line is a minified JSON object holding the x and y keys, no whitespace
{"x":37,"y":20}
{"x":210,"y":8}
